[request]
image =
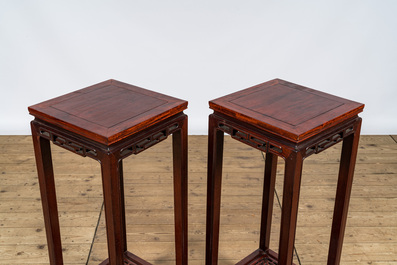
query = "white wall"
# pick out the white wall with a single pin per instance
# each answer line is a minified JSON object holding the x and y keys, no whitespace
{"x":199,"y":50}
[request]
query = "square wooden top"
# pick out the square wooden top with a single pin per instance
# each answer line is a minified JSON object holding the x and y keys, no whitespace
{"x":109,"y":111}
{"x":291,"y":111}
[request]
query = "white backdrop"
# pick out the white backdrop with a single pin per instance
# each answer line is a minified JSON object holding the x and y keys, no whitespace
{"x":199,"y":50}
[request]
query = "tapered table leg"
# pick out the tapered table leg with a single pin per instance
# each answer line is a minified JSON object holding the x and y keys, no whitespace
{"x":345,"y":181}
{"x":122,"y":197}
{"x":214,"y":182}
{"x":48,"y":196}
{"x":268,"y":199}
{"x":289,"y":214}
{"x":114,"y":208}
{"x":180,"y":149}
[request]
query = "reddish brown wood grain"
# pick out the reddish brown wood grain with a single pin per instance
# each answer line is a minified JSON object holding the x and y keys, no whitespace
{"x":109,"y":111}
{"x":287,"y":109}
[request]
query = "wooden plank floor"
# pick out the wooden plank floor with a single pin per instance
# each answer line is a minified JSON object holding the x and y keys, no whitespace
{"x":371,"y":234}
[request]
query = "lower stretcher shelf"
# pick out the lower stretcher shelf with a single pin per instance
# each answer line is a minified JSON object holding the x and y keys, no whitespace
{"x":260,"y":257}
{"x":129,"y":259}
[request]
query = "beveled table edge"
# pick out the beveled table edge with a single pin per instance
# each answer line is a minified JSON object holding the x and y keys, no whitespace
{"x":113,"y":138}
{"x":282,"y":132}
{"x":177,"y":106}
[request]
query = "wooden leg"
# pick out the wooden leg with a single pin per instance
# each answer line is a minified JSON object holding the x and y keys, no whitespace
{"x":345,"y":181}
{"x":214,"y":181}
{"x":267,"y":200}
{"x":114,"y":208}
{"x":289,"y":214}
{"x":179,"y":145}
{"x":124,"y":229}
{"x":48,"y":196}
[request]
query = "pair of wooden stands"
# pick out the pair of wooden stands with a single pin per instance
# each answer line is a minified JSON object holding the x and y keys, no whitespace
{"x":112,"y":120}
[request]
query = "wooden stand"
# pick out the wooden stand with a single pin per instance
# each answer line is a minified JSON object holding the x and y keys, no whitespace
{"x":293,"y":122}
{"x":109,"y":122}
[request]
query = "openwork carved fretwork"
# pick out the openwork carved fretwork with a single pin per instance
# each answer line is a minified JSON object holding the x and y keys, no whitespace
{"x":148,"y":141}
{"x":262,"y":144}
{"x":135,"y":146}
{"x":324,"y":144}
{"x":68,"y":144}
